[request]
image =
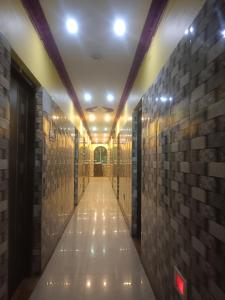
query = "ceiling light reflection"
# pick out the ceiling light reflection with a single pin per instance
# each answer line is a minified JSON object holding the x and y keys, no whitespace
{"x":88,"y":284}
{"x":127,"y":283}
{"x":223,"y":33}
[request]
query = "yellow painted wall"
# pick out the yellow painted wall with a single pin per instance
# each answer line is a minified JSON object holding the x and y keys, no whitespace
{"x":15,"y":25}
{"x":178,"y":16}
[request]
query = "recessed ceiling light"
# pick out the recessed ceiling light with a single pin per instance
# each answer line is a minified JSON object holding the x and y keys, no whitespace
{"x":94,"y":128}
{"x":92,"y":117}
{"x":110,"y":97}
{"x":119,"y":27}
{"x":87,"y":97}
{"x":72,"y":26}
{"x":105,"y":129}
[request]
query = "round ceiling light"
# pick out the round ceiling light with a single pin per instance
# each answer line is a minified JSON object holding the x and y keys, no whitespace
{"x":72,"y":26}
{"x":87,"y":97}
{"x":110,"y":97}
{"x":119,"y":27}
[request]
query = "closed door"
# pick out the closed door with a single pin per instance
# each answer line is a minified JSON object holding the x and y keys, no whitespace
{"x":21,"y":162}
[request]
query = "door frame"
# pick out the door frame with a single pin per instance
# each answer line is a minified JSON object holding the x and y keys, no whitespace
{"x":22,"y":78}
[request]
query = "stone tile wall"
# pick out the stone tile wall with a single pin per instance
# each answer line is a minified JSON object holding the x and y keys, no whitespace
{"x":124,"y":173}
{"x":5,"y":58}
{"x":54,"y":177}
{"x":115,"y":164}
{"x":81,"y":167}
{"x":134,"y":190}
{"x":183,"y":170}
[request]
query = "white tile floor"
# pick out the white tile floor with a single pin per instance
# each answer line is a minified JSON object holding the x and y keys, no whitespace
{"x":96,"y":258}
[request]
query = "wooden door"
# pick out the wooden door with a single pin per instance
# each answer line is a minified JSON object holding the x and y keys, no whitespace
{"x":21,"y":163}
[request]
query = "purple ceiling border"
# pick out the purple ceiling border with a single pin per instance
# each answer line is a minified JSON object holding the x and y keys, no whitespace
{"x":151,"y":24}
{"x":39,"y":21}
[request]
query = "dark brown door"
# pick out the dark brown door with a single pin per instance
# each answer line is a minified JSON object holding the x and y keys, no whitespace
{"x":98,"y":172}
{"x":21,"y":162}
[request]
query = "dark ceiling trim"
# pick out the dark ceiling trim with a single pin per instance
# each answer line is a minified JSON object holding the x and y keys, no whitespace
{"x":151,"y":24}
{"x":39,"y":21}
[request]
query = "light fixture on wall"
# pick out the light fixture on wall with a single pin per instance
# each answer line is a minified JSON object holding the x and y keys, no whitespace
{"x":107,"y":118}
{"x":72,"y":26}
{"x":105,"y":129}
{"x":119,"y":27}
{"x":94,"y":128}
{"x":92,"y":117}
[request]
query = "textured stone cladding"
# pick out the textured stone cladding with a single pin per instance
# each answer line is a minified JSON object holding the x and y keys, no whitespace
{"x":54,"y":178}
{"x":86,"y":163}
{"x":134,"y":192}
{"x":183,"y":168}
{"x":81,"y":157}
{"x":124,"y":172}
{"x":5,"y":61}
{"x":115,"y":165}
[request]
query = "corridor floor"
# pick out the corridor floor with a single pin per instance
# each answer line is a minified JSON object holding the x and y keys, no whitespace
{"x":95,"y":258}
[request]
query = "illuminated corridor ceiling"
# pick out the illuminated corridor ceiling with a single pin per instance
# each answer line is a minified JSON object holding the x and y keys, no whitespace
{"x":96,"y":52}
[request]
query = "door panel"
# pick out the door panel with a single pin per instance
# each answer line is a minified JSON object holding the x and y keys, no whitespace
{"x":21,"y":162}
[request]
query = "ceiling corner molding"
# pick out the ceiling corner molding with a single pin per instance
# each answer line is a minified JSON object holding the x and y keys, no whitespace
{"x":150,"y":27}
{"x":38,"y":19}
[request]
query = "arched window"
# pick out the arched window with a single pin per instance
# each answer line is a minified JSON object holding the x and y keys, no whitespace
{"x":100,"y":155}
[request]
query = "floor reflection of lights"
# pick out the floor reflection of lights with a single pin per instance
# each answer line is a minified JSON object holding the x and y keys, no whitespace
{"x":96,"y":258}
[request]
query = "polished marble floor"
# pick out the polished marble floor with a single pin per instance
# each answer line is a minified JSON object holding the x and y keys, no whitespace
{"x":95,"y":258}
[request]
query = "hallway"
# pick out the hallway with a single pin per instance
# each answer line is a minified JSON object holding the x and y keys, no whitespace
{"x":112,"y":150}
{"x":96,"y":257}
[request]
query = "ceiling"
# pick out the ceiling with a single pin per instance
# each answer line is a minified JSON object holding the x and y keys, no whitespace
{"x":97,"y":60}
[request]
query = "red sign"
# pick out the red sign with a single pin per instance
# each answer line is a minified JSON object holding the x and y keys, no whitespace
{"x":180,"y":284}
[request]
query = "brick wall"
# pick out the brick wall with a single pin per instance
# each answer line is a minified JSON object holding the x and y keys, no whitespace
{"x":183,"y":173}
{"x":5,"y":58}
